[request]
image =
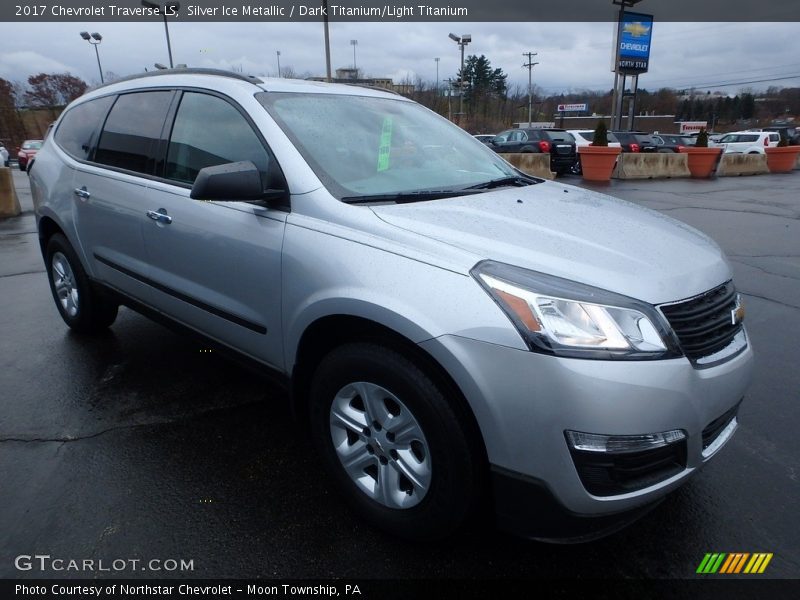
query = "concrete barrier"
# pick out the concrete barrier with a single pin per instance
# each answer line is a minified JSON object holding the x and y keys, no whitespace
{"x":9,"y":202}
{"x":651,"y":165}
{"x":742,"y":164}
{"x":797,"y":164}
{"x":531,"y":163}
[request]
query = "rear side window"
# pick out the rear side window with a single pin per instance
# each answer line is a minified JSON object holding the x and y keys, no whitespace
{"x":78,"y":129}
{"x":209,"y":131}
{"x":132,"y":130}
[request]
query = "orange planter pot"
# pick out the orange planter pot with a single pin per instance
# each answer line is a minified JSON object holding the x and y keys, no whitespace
{"x":701,"y":160}
{"x":597,"y":162}
{"x":782,"y":160}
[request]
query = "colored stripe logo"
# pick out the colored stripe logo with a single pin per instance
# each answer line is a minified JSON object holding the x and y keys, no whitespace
{"x":733,"y":563}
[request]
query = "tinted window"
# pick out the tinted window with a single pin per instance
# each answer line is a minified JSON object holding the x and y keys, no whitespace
{"x":209,"y":131}
{"x":77,"y":130}
{"x":561,"y":136}
{"x":130,"y":136}
{"x":748,"y":138}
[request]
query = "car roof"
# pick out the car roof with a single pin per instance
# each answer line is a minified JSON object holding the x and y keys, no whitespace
{"x":228,"y":81}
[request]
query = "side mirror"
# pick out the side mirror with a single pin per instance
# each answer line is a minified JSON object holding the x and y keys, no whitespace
{"x":237,"y":181}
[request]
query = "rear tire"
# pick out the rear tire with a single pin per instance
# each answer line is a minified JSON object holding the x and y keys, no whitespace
{"x":82,"y":308}
{"x":392,"y":442}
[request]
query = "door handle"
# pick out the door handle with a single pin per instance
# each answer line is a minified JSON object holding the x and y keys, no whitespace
{"x":82,"y":193}
{"x":160,"y":216}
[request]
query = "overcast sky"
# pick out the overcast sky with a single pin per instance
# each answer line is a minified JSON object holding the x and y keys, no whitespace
{"x":571,"y":56}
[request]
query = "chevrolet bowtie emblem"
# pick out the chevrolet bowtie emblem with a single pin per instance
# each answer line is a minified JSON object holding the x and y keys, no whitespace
{"x":636,"y":29}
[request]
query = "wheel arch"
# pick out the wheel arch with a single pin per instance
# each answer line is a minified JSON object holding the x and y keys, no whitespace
{"x":47,"y":228}
{"x":331,"y":331}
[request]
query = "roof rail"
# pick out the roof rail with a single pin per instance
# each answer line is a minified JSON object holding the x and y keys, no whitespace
{"x":185,"y":71}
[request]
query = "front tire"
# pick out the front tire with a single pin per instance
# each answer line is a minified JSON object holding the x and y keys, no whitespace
{"x":81,"y":307}
{"x":393,"y":443}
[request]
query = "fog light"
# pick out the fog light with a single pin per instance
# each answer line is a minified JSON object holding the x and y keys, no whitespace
{"x":594,"y":442}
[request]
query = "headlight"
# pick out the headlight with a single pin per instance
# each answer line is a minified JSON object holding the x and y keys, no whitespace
{"x":562,"y":317}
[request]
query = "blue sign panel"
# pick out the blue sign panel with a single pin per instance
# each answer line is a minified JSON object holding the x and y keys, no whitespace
{"x":636,"y":31}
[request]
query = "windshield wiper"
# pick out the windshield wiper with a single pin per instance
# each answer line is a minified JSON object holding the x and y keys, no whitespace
{"x":416,"y":196}
{"x":518,"y":181}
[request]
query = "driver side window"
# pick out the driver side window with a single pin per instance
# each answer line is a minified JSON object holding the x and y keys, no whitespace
{"x":209,"y":131}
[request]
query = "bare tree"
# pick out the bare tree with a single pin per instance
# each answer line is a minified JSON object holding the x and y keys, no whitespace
{"x":53,"y":89}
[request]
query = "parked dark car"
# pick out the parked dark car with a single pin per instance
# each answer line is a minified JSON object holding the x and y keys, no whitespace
{"x":787,"y":132}
{"x":636,"y":141}
{"x":559,"y":143}
{"x":670,"y":142}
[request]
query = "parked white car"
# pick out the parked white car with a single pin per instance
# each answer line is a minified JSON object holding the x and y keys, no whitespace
{"x":747,"y":142}
{"x":4,"y":155}
{"x":584,"y":137}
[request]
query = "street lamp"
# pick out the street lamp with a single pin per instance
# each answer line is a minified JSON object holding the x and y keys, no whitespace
{"x":462,"y":42}
{"x":278,"y":52}
{"x":172,"y":8}
{"x":354,"y":43}
{"x":98,"y":38}
{"x":437,"y":75}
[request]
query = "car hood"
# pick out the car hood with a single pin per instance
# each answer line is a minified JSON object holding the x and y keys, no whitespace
{"x":576,"y":234}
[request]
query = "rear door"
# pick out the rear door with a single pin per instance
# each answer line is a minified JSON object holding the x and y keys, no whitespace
{"x":216,"y":266}
{"x":111,"y":190}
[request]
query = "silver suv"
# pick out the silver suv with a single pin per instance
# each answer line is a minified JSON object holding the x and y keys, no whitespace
{"x":458,"y":335}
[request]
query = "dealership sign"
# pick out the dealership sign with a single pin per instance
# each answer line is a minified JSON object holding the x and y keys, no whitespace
{"x":693,"y":126}
{"x":573,"y":107}
{"x":635,"y":33}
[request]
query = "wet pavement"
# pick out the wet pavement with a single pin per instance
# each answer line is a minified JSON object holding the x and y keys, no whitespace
{"x":139,"y":445}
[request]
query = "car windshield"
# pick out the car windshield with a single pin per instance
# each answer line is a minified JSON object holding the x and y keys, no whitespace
{"x":362,"y":146}
{"x":31,"y":145}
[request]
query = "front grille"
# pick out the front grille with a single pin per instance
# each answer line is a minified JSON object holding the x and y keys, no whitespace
{"x":713,"y":429}
{"x":609,"y":474}
{"x":704,"y":324}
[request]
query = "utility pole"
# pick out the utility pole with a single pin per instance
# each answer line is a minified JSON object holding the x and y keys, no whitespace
{"x":449,"y":81}
{"x":279,"y":62}
{"x":530,"y":64}
{"x":437,"y":75}
{"x":327,"y":41}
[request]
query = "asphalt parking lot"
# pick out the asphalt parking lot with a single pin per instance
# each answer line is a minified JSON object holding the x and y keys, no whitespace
{"x":139,"y":445}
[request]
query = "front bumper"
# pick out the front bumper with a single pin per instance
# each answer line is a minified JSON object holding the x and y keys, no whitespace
{"x":524,"y":402}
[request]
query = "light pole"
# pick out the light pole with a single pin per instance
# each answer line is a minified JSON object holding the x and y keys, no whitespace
{"x":462,"y":42}
{"x":278,"y":52}
{"x":354,"y":43}
{"x":437,"y":75}
{"x":530,"y":64}
{"x":172,"y":8}
{"x":98,"y":38}
{"x":327,"y":41}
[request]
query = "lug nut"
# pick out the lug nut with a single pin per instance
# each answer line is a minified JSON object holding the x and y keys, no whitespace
{"x":376,"y":426}
{"x":393,"y":454}
{"x":370,"y":449}
{"x":389,"y":436}
{"x":383,"y":460}
{"x":367,"y":432}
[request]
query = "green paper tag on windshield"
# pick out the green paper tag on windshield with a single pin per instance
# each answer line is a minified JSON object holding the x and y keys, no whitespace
{"x":385,"y":145}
